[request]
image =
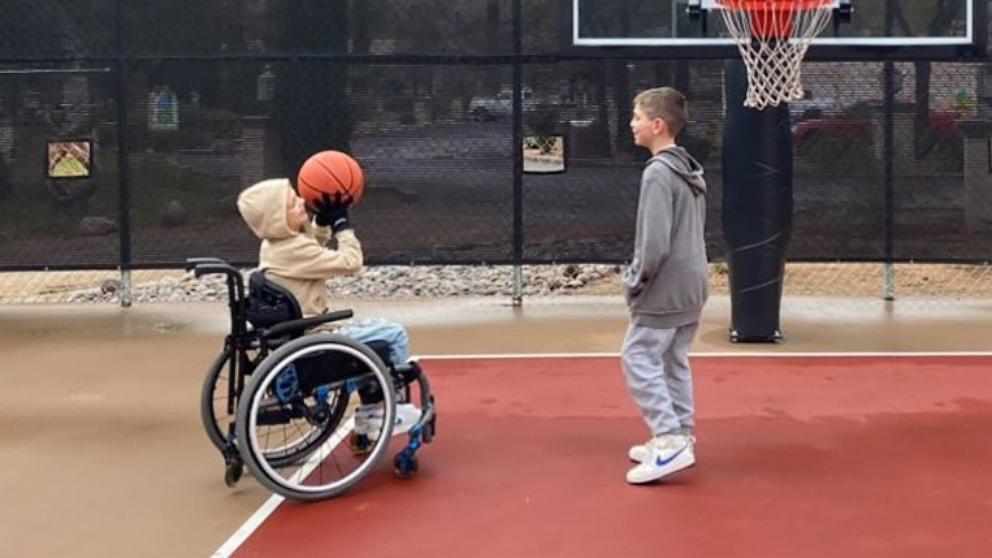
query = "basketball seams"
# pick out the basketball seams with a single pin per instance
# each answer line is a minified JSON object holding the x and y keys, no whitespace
{"x":306,"y":190}
{"x":351,"y":176}
{"x":314,"y":182}
{"x":357,"y":171}
{"x":334,"y":175}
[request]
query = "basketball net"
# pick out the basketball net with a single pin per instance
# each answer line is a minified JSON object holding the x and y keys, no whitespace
{"x":773,"y":37}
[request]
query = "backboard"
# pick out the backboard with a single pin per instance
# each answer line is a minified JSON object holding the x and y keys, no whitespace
{"x":874,"y":29}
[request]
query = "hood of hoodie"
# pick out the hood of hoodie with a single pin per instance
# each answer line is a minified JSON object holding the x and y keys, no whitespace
{"x":679,"y":160}
{"x":263,"y":207}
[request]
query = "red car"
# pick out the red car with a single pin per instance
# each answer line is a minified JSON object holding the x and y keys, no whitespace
{"x":857,"y":122}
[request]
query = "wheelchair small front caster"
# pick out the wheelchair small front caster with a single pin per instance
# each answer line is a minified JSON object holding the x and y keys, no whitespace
{"x":233,"y":469}
{"x":405,"y":466}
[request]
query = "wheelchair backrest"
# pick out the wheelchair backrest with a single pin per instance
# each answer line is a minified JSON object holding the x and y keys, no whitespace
{"x":269,"y":303}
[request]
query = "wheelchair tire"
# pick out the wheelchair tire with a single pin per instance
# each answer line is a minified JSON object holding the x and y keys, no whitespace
{"x":318,"y":470}
{"x":216,"y":426}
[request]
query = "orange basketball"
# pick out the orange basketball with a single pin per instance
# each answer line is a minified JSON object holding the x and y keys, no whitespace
{"x":330,"y":172}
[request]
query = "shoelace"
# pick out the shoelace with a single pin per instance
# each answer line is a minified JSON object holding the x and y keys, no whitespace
{"x":671,"y":442}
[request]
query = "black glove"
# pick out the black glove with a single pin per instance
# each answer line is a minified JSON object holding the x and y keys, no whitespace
{"x":333,"y":212}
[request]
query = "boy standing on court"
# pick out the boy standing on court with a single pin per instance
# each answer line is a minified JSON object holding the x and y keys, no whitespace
{"x":665,"y":287}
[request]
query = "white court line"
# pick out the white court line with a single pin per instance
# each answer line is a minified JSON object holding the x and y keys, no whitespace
{"x":328,"y":446}
{"x":248,"y":527}
{"x":742,"y":354}
{"x":256,"y":520}
{"x":261,"y":514}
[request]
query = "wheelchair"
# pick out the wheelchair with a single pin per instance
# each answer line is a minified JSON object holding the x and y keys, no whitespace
{"x":282,"y":401}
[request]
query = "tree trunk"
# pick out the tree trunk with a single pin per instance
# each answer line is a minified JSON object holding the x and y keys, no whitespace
{"x":360,"y":30}
{"x":603,"y":106}
{"x":311,"y":103}
{"x":622,"y":142}
{"x":6,"y":186}
{"x":8,"y":102}
{"x":492,"y":45}
{"x":681,"y":78}
{"x":923,"y":137}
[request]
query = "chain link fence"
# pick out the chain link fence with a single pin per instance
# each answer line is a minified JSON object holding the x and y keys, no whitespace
{"x":852,"y":282}
{"x":437,"y":100}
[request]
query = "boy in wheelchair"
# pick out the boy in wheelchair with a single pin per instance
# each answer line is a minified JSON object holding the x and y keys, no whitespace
{"x":293,"y":254}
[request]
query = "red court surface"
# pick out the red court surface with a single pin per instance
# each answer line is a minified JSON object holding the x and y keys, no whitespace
{"x":797,"y":457}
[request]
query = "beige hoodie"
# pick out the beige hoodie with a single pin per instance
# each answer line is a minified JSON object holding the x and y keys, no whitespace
{"x":297,"y":260}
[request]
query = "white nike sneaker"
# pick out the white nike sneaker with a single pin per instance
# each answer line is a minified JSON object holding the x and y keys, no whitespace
{"x":368,"y":419}
{"x":640,"y":452}
{"x":669,"y":453}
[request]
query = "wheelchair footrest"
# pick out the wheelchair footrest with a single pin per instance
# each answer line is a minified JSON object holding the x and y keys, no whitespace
{"x":406,"y":374}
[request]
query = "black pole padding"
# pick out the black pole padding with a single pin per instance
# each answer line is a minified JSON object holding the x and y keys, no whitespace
{"x":757,"y":208}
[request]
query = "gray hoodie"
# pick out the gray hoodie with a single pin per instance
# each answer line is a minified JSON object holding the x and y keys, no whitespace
{"x":666,"y":282}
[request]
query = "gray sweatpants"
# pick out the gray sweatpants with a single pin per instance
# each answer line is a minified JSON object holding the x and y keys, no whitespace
{"x":655,"y":363}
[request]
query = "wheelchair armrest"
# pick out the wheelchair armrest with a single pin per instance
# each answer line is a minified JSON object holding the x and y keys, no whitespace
{"x":211,"y":268}
{"x":191,"y":263}
{"x":294,"y":325}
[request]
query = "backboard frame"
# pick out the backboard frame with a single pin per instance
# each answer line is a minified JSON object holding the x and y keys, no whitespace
{"x":972,"y":47}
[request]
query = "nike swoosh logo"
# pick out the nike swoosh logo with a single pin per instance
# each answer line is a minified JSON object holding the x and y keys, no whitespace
{"x":662,"y":462}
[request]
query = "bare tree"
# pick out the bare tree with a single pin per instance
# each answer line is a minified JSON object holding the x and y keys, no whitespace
{"x":945,"y":13}
{"x":8,"y":100}
{"x":6,"y":187}
{"x":311,"y":104}
{"x":360,"y":16}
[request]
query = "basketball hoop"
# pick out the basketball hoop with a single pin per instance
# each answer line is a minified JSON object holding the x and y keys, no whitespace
{"x":773,"y":37}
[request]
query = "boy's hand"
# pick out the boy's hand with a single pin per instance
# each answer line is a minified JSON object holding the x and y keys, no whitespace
{"x":333,"y":212}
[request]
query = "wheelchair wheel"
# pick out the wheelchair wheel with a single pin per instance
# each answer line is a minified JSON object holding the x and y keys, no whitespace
{"x":312,"y":379}
{"x":216,"y":408}
{"x":304,"y":433}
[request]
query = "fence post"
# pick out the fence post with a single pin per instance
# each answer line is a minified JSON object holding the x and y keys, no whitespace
{"x":518,"y":156}
{"x":123,"y":174}
{"x":888,"y":153}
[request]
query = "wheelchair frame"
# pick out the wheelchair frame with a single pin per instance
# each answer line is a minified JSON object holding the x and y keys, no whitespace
{"x":260,"y":359}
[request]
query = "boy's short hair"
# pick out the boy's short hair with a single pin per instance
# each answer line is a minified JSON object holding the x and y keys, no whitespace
{"x":667,"y":104}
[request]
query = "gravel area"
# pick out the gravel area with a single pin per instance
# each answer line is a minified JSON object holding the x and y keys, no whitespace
{"x":411,"y":282}
{"x":383,"y":282}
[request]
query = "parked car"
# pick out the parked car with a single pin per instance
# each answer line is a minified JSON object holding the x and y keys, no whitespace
{"x":500,"y":106}
{"x":811,"y":107}
{"x":857,"y":121}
